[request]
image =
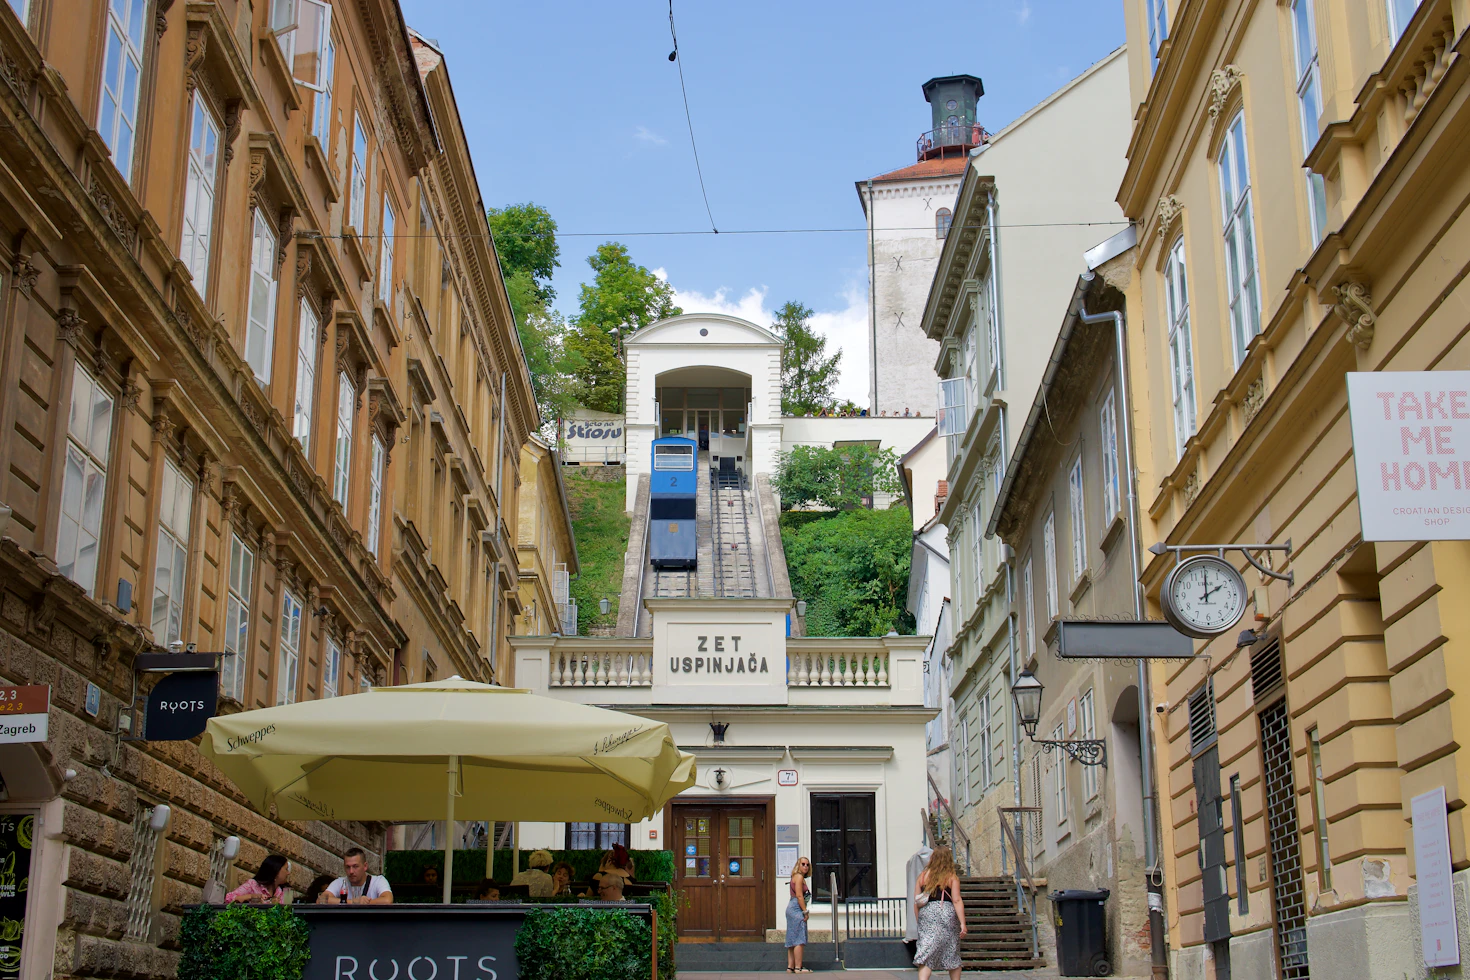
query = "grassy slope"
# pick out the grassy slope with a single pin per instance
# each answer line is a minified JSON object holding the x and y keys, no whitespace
{"x":601,"y":528}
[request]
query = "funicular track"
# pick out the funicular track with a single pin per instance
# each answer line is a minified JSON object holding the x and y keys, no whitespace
{"x":734,"y":568}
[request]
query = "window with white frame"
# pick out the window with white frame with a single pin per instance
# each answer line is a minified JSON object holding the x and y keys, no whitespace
{"x":346,"y":409}
{"x":978,"y":556}
{"x":304,"y":30}
{"x":1057,"y":736}
{"x":321,"y":120}
{"x":1400,"y":12}
{"x":385,"y":254}
{"x":1309,"y":100}
{"x":22,"y":10}
{"x":1087,"y":725}
{"x":970,"y":355}
{"x":965,"y":755}
{"x":260,"y":329}
{"x":375,"y":493}
{"x":1181,"y":346}
{"x":1049,"y":562}
{"x":1243,"y":291}
{"x":237,"y":621}
{"x":122,"y":71}
{"x":1112,"y":488}
{"x":332,"y":669}
{"x":1077,"y":505}
{"x":290,"y":662}
{"x":1158,"y":29}
{"x":987,"y":774}
{"x":84,"y":482}
{"x":942,"y":220}
{"x":358,"y":201}
{"x":1028,"y":613}
{"x":306,"y":347}
{"x":199,"y":188}
{"x":171,"y":566}
{"x":992,"y":331}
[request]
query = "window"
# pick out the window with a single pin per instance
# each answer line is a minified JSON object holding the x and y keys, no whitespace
{"x":283,"y":25}
{"x":970,"y":355}
{"x":1077,"y":501}
{"x":199,"y":188}
{"x":22,"y":10}
{"x":1400,"y":12}
{"x":1087,"y":723}
{"x":306,"y":346}
{"x":1181,"y":348}
{"x":1158,"y":29}
{"x":1309,"y":99}
{"x":596,"y":836}
{"x":237,"y":621}
{"x":844,"y":841}
{"x":1057,"y":736}
{"x":963,"y":765}
{"x":304,"y":30}
{"x":987,"y":775}
{"x":1319,"y":805}
{"x":375,"y":494}
{"x":1112,"y":486}
{"x":1240,"y":242}
{"x":290,"y":649}
{"x":261,"y":328}
{"x":977,"y":555}
{"x":84,"y":483}
{"x":122,"y":67}
{"x":346,"y":403}
{"x":332,"y":669}
{"x":942,"y":219}
{"x":1049,"y":556}
{"x":321,"y":119}
{"x":175,"y":509}
{"x":358,"y":202}
{"x":385,"y":255}
{"x":1028,"y":597}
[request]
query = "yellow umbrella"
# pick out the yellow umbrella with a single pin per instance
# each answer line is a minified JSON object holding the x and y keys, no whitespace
{"x":423,"y":751}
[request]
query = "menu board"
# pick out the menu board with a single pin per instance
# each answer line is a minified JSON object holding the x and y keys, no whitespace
{"x":16,"y":831}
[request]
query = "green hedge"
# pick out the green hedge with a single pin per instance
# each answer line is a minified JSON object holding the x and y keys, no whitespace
{"x":243,"y":942}
{"x":583,"y":944}
{"x":407,"y":867}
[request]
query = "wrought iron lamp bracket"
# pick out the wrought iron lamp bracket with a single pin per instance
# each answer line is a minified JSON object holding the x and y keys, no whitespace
{"x":1088,"y":751}
{"x":1179,"y":550}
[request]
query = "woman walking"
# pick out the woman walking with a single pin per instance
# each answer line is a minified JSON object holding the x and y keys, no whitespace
{"x":941,"y":917}
{"x":796,"y":915}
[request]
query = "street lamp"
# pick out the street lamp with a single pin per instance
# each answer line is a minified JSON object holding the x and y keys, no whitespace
{"x":603,"y":606}
{"x":1027,"y":694}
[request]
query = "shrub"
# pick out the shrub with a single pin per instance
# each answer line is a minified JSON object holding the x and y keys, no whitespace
{"x":407,"y":867}
{"x":852,"y":568}
{"x":583,"y":944}
{"x":243,"y":942}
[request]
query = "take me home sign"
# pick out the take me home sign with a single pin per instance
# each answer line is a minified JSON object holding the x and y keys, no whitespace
{"x":1411,"y":446}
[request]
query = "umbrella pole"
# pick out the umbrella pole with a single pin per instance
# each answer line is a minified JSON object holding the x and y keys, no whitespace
{"x":449,"y":826}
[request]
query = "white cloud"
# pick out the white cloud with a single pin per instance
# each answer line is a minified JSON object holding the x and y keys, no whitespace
{"x":648,"y":136}
{"x":846,"y":329}
{"x":1023,"y":12}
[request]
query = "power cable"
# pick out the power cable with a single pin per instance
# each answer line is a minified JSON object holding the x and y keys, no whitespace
{"x":679,"y":63}
{"x":714,"y":231}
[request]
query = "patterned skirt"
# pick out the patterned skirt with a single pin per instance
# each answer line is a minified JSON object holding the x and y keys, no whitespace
{"x":939,"y":937}
{"x":795,"y":924}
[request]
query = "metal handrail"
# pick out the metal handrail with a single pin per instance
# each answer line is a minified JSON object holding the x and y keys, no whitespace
{"x":836,"y":947}
{"x":954,"y":825}
{"x":1024,"y":902}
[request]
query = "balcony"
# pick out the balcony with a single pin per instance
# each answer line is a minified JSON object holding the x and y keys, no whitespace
{"x":950,"y":141}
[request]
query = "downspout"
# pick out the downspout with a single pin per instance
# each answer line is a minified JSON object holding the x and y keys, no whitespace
{"x":872,"y":302}
{"x":1145,"y":715}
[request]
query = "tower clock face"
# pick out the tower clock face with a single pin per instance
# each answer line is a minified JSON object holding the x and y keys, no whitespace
{"x":1204,"y":596}
{"x":951,"y":104}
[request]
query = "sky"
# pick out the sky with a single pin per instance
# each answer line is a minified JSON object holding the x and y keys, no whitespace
{"x":575,"y":106}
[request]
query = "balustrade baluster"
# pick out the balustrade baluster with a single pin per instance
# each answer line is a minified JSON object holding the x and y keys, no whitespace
{"x":622,"y":670}
{"x":883,"y":671}
{"x":604,"y":663}
{"x":847,"y":670}
{"x":803,"y":670}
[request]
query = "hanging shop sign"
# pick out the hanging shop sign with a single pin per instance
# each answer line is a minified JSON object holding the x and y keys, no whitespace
{"x":1121,"y":640}
{"x":17,"y":831}
{"x":180,"y":705}
{"x":1411,"y":449}
{"x":24,"y":712}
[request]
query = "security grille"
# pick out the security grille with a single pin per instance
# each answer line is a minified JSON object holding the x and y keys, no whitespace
{"x":142,"y":872}
{"x":1287,"y":896}
{"x":1266,"y":671}
{"x":1202,"y":718}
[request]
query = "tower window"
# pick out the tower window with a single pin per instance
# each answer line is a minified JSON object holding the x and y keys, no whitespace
{"x":942,"y":218}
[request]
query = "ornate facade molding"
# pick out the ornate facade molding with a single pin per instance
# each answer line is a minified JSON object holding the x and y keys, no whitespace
{"x":1170,"y":208}
{"x":113,"y":215}
{"x":24,"y":275}
{"x":303,"y":271}
{"x":194,"y":47}
{"x":1255,"y":397}
{"x":1354,"y":307}
{"x":69,"y":326}
{"x":163,"y":427}
{"x":257,"y":176}
{"x":1191,"y":488}
{"x":1223,"y":82}
{"x":128,"y":394}
{"x":232,"y":128}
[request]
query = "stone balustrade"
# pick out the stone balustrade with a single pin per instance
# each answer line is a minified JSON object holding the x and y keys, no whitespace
{"x":604,"y":668}
{"x":836,"y":668}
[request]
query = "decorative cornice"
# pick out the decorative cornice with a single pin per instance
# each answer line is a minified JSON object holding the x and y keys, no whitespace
{"x":194,"y":47}
{"x":69,"y":326}
{"x":1170,"y":208}
{"x":1354,"y":307}
{"x":1223,"y":81}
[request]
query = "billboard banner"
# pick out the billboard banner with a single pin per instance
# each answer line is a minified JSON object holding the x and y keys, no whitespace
{"x":1411,"y":447}
{"x":592,"y":437}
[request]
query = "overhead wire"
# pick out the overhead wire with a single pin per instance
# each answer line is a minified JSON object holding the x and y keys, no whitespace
{"x":689,"y":119}
{"x":713,"y":231}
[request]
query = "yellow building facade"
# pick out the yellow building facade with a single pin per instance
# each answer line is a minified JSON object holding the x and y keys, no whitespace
{"x":547,"y":549}
{"x":1297,"y":174}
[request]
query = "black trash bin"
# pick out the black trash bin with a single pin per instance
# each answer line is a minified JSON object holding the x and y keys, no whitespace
{"x":1082,"y":932}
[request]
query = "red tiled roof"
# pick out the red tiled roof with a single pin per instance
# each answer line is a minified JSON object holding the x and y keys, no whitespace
{"x":941,"y":167}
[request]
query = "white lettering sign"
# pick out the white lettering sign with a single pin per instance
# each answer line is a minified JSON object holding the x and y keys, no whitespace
{"x":1439,"y":931}
{"x":1411,"y":445}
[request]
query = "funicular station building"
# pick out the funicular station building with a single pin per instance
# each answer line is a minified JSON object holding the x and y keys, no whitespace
{"x":806,"y":746}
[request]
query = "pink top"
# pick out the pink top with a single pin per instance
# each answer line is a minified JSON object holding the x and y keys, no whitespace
{"x":254,"y":890}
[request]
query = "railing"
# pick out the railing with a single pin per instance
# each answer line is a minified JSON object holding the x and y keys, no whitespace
{"x":602,"y":669}
{"x":875,"y":918}
{"x":836,"y":669}
{"x":955,"y":831}
{"x":1013,"y":835}
{"x":960,"y":136}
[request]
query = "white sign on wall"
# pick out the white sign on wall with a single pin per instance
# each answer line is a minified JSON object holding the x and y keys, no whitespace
{"x":1437,"y":923}
{"x":1411,"y":446}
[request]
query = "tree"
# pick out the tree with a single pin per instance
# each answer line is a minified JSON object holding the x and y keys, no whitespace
{"x":807,"y":374}
{"x":525,"y":240}
{"x":839,"y":478}
{"x":622,"y":296}
{"x":553,"y":366}
{"x":852,"y":568}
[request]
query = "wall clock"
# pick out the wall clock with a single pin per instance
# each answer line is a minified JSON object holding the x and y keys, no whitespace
{"x":1203,"y":596}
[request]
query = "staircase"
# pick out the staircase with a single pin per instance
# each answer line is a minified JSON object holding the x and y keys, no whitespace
{"x":1000,"y":934}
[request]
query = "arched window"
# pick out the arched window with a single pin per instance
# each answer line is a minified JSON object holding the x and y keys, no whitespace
{"x":942,"y":218}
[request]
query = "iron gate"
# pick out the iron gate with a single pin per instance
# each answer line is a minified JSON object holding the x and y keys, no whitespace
{"x":1288,"y":901}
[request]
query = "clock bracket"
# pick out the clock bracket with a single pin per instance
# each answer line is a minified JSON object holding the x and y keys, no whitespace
{"x":1179,"y":550}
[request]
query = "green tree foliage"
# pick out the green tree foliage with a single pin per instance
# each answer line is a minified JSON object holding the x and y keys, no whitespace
{"x":624,"y":296}
{"x":837,"y":478}
{"x":543,"y":332}
{"x":807,"y":373}
{"x":525,"y":240}
{"x":852,"y":568}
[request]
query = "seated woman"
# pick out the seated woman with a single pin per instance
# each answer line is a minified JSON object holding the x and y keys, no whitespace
{"x":487,"y":891}
{"x":268,"y":885}
{"x":561,"y":879}
{"x":616,"y":861}
{"x":315,"y":889}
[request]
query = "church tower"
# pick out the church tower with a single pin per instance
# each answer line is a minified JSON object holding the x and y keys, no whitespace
{"x":908,"y":213}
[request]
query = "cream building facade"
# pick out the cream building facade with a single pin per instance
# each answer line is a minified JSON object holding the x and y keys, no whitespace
{"x":546,"y":545}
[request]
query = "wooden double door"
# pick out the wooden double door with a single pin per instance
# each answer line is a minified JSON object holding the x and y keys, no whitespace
{"x":722,"y":865}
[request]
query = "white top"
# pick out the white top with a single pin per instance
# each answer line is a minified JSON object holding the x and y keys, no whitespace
{"x":375,"y":886}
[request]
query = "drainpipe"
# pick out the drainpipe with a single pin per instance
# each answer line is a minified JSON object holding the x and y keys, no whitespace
{"x":872,"y":301}
{"x":1000,"y":334}
{"x":1145,"y":721}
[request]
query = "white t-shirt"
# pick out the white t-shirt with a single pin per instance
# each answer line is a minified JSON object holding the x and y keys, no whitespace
{"x":375,"y":886}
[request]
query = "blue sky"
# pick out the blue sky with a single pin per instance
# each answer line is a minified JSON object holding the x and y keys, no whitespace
{"x":574,"y":105}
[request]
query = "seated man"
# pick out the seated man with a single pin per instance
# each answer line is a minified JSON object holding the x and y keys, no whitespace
{"x":610,"y":887}
{"x":538,"y":883}
{"x":488,"y":891}
{"x":357,"y":887}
